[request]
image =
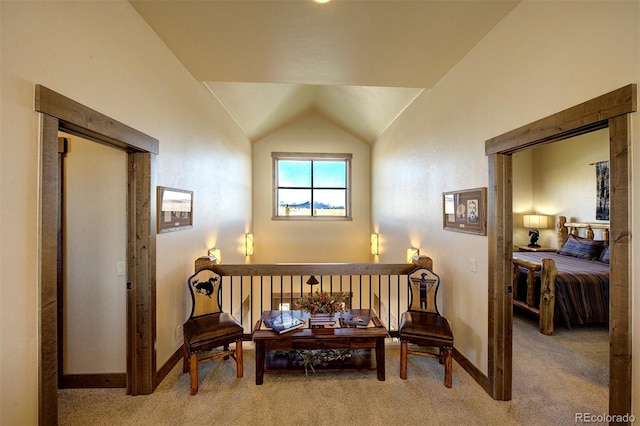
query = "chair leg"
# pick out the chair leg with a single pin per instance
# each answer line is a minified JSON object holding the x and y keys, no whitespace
{"x":193,"y":373}
{"x":403,"y":360}
{"x":239,"y":362}
{"x":185,"y":358}
{"x":225,"y":348}
{"x":448,"y":368}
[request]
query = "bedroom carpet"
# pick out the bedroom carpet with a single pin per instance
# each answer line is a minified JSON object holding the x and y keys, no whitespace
{"x":554,"y":378}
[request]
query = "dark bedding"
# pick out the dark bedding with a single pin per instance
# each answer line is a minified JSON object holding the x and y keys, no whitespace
{"x":582,"y":288}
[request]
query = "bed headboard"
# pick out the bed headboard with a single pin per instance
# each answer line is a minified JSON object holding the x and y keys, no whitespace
{"x":565,"y":228}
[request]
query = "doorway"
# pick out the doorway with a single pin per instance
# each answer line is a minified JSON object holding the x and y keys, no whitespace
{"x":92,"y":289}
{"x":59,"y":113}
{"x":613,"y":111}
{"x":556,"y":179}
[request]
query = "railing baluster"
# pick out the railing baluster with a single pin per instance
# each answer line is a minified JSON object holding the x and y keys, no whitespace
{"x":398,"y":302}
{"x":353,"y":299}
{"x":261,"y":297}
{"x":302,"y":287}
{"x":241,"y":298}
{"x":271,"y":293}
{"x":389,"y":305}
{"x":380,"y":297}
{"x":231,"y":295}
{"x":330,"y":283}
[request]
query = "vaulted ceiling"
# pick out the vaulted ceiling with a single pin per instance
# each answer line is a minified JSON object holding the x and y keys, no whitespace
{"x":358,"y":63}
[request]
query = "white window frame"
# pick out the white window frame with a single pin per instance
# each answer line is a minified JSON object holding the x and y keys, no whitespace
{"x":276,"y":156}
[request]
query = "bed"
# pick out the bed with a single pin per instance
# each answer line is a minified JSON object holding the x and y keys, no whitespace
{"x":570,"y":286}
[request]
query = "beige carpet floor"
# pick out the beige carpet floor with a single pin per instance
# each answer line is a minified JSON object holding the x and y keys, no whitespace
{"x":554,"y":378}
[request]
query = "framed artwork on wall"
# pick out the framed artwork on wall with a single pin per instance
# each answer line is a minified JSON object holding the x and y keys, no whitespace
{"x":465,"y":211}
{"x":602,"y":190}
{"x":175,"y":209}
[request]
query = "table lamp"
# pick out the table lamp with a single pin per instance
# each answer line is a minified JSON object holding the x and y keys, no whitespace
{"x":535,"y":222}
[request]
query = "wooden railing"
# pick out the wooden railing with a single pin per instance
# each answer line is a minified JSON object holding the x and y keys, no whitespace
{"x":250,"y":289}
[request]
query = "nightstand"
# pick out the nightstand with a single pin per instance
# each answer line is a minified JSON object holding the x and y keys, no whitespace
{"x":536,"y":249}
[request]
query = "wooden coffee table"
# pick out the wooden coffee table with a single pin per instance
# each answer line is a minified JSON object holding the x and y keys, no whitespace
{"x":353,"y":338}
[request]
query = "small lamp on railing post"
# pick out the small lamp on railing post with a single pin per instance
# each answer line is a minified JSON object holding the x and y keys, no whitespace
{"x":411,"y":253}
{"x":214,"y":255}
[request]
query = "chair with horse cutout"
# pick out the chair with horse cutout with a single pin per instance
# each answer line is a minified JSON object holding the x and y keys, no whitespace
{"x":422,"y":328}
{"x":209,"y":332}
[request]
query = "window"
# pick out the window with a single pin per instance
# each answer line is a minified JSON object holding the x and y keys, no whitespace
{"x":311,"y":186}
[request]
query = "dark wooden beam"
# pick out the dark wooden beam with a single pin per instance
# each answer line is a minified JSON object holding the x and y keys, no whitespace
{"x":620,"y":279}
{"x":141,"y":293}
{"x":583,"y":118}
{"x":48,"y":365}
{"x":81,"y":120}
{"x":319,"y":269}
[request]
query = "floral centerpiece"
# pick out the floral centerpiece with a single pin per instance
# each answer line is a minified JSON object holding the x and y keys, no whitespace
{"x":322,"y":302}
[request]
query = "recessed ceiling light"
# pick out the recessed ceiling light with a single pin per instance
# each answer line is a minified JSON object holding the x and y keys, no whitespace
{"x":321,"y":1}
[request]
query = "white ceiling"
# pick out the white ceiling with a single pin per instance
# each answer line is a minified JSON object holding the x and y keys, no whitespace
{"x":359,"y":63}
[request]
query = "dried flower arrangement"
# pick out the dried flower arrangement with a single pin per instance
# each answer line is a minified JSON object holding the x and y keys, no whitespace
{"x":322,"y":302}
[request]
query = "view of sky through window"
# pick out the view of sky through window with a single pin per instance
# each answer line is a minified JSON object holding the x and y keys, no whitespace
{"x":303,"y":183}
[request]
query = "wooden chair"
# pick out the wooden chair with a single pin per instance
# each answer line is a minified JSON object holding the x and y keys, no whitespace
{"x":208,"y":328}
{"x":422,"y":326}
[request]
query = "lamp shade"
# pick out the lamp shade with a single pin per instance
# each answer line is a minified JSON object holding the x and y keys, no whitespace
{"x":215,"y":254}
{"x":375,"y":244}
{"x":535,"y":221}
{"x":248,"y":244}
{"x":411,"y":252}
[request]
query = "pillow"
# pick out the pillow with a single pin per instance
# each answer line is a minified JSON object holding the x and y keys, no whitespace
{"x":582,"y":248}
{"x":604,"y":257}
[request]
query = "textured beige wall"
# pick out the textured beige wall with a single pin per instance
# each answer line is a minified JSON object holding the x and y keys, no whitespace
{"x":542,"y":58}
{"x":130,"y":75}
{"x":561,"y":181}
{"x":522,"y":193}
{"x":565,"y":175}
{"x":278,"y":241}
{"x":95,"y":240}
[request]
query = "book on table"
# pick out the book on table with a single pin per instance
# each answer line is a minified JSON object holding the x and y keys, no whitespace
{"x":322,"y":319}
{"x":284,"y":322}
{"x":358,"y":320}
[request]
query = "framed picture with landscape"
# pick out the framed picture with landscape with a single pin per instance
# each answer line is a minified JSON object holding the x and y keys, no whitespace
{"x":465,"y":211}
{"x":175,"y":209}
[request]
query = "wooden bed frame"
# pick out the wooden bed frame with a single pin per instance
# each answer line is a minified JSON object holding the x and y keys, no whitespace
{"x":548,"y":271}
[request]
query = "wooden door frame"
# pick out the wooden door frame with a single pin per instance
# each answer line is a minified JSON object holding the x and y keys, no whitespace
{"x":612,"y":110}
{"x":59,"y":113}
